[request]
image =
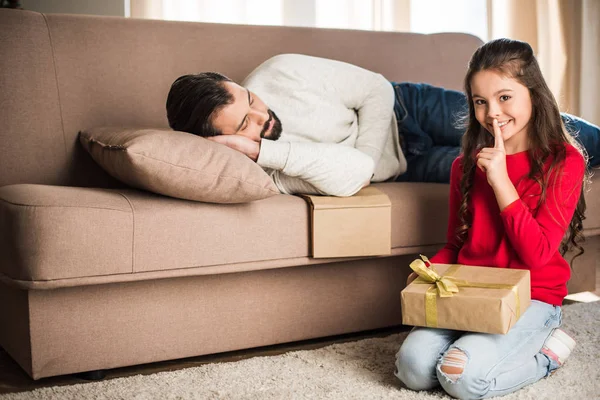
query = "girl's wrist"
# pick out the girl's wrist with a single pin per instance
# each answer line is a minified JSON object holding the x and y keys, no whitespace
{"x":501,"y":184}
{"x":506,"y":193}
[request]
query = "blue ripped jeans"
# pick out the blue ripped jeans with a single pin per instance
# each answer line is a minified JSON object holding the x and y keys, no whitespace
{"x":496,"y":364}
{"x":430,"y":130}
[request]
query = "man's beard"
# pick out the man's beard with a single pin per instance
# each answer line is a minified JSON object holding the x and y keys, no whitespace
{"x":275,"y":131}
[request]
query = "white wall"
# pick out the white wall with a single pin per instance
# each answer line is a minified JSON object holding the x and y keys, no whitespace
{"x":105,"y":7}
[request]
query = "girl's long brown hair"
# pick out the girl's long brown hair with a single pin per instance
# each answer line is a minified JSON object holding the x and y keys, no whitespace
{"x":547,"y":133}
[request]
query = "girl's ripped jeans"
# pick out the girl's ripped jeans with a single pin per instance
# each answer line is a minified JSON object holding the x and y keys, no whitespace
{"x":494,"y":365}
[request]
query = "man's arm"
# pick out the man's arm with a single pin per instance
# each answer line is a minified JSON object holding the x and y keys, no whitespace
{"x":316,"y":168}
{"x":375,"y":108}
{"x":309,"y":168}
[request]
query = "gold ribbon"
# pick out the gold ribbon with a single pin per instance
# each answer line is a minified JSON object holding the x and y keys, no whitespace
{"x":447,"y":286}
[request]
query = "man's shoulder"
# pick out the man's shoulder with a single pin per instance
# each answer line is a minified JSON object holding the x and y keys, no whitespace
{"x":298,"y":59}
{"x":275,"y":68}
{"x":291,"y":57}
{"x":289,"y":61}
{"x":294,"y":64}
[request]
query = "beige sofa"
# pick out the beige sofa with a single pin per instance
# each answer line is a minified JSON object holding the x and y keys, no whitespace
{"x":94,"y":275}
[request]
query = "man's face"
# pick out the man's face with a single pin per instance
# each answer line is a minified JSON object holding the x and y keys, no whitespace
{"x":247,"y":116}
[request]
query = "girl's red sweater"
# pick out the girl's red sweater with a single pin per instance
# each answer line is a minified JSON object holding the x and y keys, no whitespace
{"x":520,"y":236}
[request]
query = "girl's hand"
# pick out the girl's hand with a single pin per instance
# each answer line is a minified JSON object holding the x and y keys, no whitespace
{"x":492,"y":160}
{"x":240,"y":143}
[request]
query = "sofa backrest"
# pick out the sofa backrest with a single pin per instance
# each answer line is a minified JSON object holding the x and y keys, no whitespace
{"x":60,"y":74}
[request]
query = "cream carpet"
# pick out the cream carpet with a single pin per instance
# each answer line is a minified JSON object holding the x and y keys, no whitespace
{"x":353,"y":370}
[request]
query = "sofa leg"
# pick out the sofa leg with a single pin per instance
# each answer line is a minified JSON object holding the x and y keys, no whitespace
{"x":97,"y":375}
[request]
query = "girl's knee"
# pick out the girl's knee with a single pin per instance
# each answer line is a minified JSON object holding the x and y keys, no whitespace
{"x":413,"y":370}
{"x":454,"y":377}
{"x":453,"y":364}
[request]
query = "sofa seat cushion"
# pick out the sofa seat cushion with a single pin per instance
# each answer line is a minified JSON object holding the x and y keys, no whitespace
{"x":55,"y":232}
{"x":57,"y":236}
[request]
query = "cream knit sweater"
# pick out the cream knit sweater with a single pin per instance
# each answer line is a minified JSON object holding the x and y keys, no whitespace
{"x":339,"y":129}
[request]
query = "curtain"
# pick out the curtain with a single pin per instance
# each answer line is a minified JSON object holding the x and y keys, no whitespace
{"x":565,"y":35}
{"x":588,"y":69}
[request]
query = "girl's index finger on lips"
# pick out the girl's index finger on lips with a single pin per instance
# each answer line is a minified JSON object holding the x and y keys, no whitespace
{"x":498,"y":140}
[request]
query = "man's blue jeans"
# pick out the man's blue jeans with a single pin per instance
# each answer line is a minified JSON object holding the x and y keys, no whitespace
{"x":431,"y":122}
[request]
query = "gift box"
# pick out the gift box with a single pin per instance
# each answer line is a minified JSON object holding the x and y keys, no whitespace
{"x":358,"y":225}
{"x":465,"y":298}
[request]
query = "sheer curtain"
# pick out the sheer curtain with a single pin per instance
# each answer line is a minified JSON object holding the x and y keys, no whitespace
{"x":565,"y":36}
{"x":391,"y":15}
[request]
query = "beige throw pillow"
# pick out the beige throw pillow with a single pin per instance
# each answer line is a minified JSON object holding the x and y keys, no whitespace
{"x":177,"y":164}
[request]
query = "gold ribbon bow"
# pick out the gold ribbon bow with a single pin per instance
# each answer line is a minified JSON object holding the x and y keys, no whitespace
{"x":446,"y":286}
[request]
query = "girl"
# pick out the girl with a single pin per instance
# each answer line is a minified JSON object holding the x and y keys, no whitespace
{"x":515,"y":194}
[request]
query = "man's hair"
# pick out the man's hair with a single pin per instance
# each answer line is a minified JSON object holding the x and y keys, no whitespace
{"x":193,"y":100}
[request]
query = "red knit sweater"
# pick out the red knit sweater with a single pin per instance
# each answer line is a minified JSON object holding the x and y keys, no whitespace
{"x":518,"y":237}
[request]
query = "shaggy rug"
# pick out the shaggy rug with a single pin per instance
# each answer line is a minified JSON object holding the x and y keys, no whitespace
{"x":354,"y":370}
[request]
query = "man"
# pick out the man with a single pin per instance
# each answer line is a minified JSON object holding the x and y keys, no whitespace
{"x":334,"y":127}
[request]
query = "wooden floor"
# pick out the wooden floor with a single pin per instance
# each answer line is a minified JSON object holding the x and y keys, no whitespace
{"x":14,"y":379}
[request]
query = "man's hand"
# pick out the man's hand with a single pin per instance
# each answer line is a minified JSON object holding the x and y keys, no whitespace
{"x":240,"y":143}
{"x":492,"y":160}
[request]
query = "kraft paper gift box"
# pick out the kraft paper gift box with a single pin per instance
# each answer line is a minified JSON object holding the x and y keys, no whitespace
{"x":466,"y":298}
{"x":358,"y":225}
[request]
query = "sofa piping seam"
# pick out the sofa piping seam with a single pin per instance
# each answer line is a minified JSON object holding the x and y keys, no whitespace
{"x":132,"y":231}
{"x":53,"y":206}
{"x":60,"y":108}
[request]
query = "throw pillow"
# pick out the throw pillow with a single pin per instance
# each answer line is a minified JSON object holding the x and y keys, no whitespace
{"x":177,"y":164}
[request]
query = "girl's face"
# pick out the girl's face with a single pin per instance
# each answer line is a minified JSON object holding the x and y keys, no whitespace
{"x":505,"y":99}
